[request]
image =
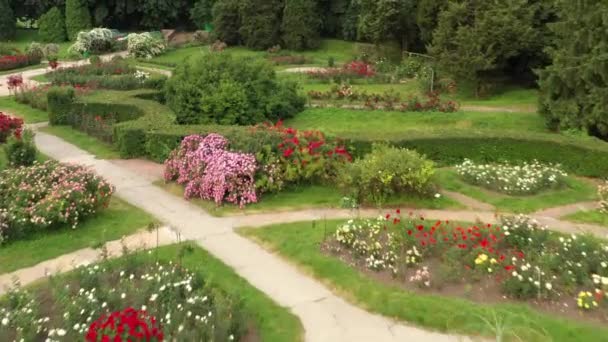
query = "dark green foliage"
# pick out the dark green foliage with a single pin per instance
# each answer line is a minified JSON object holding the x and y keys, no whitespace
{"x":301,"y":24}
{"x":260,"y":28}
{"x":77,"y":17}
{"x":21,"y":152}
{"x":476,"y":39}
{"x":59,"y":101}
{"x":574,"y":89}
{"x":427,"y":15}
{"x":217,"y":88}
{"x":384,"y":20}
{"x":202,"y":13}
{"x":350,"y":21}
{"x":7,"y":21}
{"x":157,"y":14}
{"x":51,"y":26}
{"x":227,"y":21}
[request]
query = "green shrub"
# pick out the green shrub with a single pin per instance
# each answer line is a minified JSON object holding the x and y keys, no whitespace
{"x":218,"y":88}
{"x":301,"y":24}
{"x":259,"y":18}
{"x":7,"y":21}
{"x":21,"y":152}
{"x":226,"y":21}
{"x":59,"y":102}
{"x":387,"y":171}
{"x":77,"y":17}
{"x":35,"y":52}
{"x":51,"y":26}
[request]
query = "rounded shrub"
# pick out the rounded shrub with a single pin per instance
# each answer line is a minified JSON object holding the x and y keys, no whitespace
{"x":219,"y":88}
{"x":77,"y":17}
{"x":21,"y":151}
{"x":385,"y":172}
{"x":51,"y":26}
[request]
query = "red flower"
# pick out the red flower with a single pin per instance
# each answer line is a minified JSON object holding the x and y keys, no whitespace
{"x":409,"y":232}
{"x":420,"y":227}
{"x":288,"y":152}
{"x":509,"y":268}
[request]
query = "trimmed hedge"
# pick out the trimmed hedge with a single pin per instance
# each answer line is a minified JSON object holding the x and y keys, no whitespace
{"x":147,"y":129}
{"x":59,"y":103}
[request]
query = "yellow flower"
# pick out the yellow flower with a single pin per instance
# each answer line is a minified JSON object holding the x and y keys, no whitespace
{"x":493,"y":261}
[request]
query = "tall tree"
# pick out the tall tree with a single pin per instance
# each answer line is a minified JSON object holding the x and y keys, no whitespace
{"x":227,"y":21}
{"x":259,"y":22}
{"x":157,"y":14}
{"x":475,"y":39}
{"x":7,"y":21}
{"x":301,"y":24}
{"x":77,"y":17}
{"x":383,"y":20}
{"x":574,"y":88}
{"x":351,"y":21}
{"x":202,"y":13}
{"x":427,"y":15}
{"x":51,"y":26}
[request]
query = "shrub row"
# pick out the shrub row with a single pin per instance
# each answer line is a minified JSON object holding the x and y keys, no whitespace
{"x":150,"y":132}
{"x":10,"y":62}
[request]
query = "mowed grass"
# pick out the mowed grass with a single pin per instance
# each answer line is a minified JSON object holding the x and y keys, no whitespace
{"x":387,"y":125}
{"x":27,"y":113}
{"x":592,"y":217}
{"x":84,"y":141}
{"x":305,"y":197}
{"x":118,"y":220}
{"x":575,"y":190}
{"x":299,"y":243}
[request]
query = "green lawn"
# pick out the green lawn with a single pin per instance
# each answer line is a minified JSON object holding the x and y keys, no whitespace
{"x":299,"y":243}
{"x":576,"y":190}
{"x":27,"y":113}
{"x":591,"y":216}
{"x":306,"y":197}
{"x":111,"y":224}
{"x":84,"y":141}
{"x":26,"y":36}
{"x":387,"y":125}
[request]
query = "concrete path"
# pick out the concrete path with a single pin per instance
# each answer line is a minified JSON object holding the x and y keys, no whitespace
{"x":325,"y":316}
{"x":67,"y":262}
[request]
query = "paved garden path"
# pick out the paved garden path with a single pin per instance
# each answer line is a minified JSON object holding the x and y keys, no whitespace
{"x":325,"y":316}
{"x":67,"y":262}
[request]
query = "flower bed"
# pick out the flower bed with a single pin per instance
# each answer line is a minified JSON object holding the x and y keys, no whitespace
{"x":352,"y":70}
{"x":133,"y":299}
{"x":10,"y":62}
{"x":525,"y":179}
{"x":9,"y":126}
{"x":48,"y":196}
{"x":514,"y":260}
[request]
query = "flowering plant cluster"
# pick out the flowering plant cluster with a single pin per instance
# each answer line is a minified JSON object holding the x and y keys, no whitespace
{"x":14,"y":81}
{"x":525,"y":179}
{"x":134,"y":300}
{"x":144,"y":45}
{"x":9,"y":62}
{"x":94,"y":41}
{"x":49,"y":195}
{"x":210,"y":171}
{"x":525,"y":259}
{"x":602,"y":191}
{"x":354,"y":69}
{"x":10,"y":126}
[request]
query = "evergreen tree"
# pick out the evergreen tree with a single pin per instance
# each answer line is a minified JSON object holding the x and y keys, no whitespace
{"x":574,"y":88}
{"x":227,"y":21}
{"x":383,"y":20}
{"x":475,"y":39}
{"x":259,"y":23}
{"x":77,"y":17}
{"x":301,"y":24}
{"x":427,"y":15}
{"x":351,"y":21}
{"x":51,"y":26}
{"x":201,"y":14}
{"x":7,"y":21}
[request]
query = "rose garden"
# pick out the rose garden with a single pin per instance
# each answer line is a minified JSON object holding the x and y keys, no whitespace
{"x":281,"y":172}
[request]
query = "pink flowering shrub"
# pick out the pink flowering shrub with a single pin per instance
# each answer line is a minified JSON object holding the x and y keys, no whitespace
{"x":49,"y":195}
{"x":209,"y":171}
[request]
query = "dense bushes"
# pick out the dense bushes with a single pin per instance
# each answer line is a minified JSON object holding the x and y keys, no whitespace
{"x":9,"y":126}
{"x":59,"y":103}
{"x":385,"y":172}
{"x":77,"y":17}
{"x":301,"y":25}
{"x":144,"y":45}
{"x":49,"y":195}
{"x":21,"y":151}
{"x":219,"y":88}
{"x":7,"y":21}
{"x":51,"y":26}
{"x":98,"y":40}
{"x":9,"y":62}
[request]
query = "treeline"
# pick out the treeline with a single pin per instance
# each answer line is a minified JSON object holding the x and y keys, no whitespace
{"x":561,"y":44}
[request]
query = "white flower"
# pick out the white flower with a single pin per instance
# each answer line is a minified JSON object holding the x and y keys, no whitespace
{"x":60,"y":332}
{"x":437,"y":195}
{"x":548,"y":286}
{"x":5,"y":321}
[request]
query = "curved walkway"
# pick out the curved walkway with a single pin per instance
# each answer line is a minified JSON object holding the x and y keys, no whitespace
{"x":325,"y":316}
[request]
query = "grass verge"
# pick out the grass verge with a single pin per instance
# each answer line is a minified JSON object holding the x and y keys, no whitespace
{"x":575,"y":190}
{"x":299,"y":243}
{"x":118,"y":220}
{"x":84,"y":141}
{"x":27,"y":113}
{"x":590,"y":216}
{"x":305,"y":197}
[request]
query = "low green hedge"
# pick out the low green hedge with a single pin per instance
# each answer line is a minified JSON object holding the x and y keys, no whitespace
{"x":146,"y":128}
{"x":59,"y":104}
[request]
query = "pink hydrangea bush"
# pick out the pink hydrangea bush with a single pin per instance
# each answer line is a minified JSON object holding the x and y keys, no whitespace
{"x":49,"y":195}
{"x":209,"y":171}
